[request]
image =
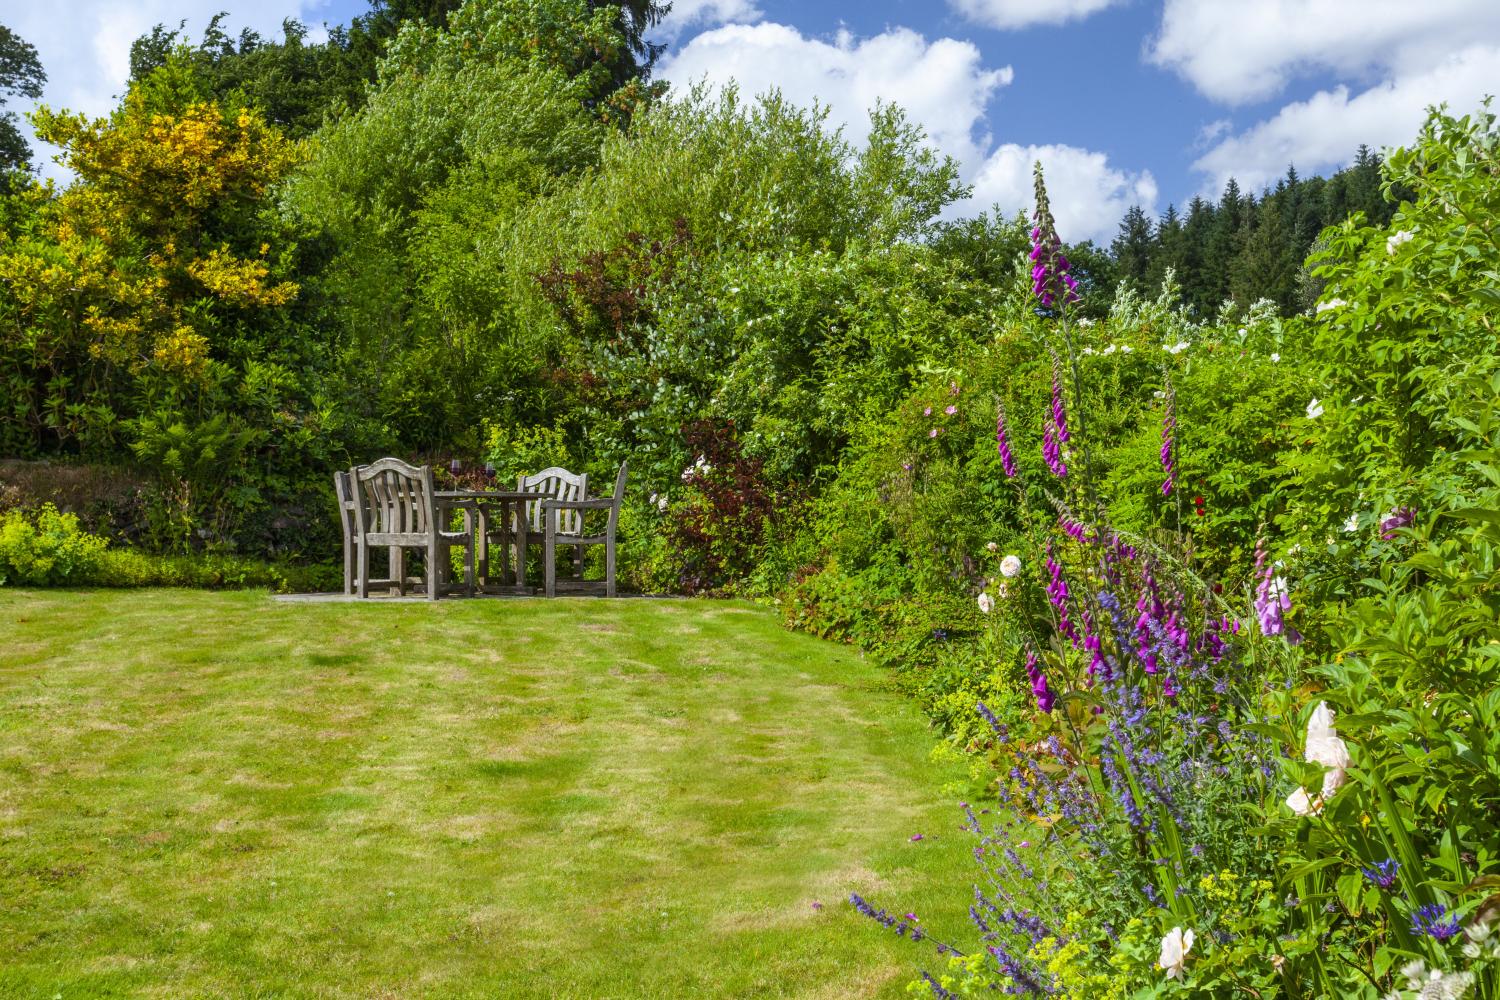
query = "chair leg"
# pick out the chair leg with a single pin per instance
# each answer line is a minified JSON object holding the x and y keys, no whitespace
{"x":433,"y":568}
{"x":578,"y":561}
{"x":549,"y":561}
{"x":362,"y":580}
{"x":469,"y":567}
{"x":609,"y":565}
{"x":348,"y":565}
{"x":398,"y":569}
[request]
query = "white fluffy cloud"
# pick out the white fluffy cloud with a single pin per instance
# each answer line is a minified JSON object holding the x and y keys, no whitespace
{"x":1088,"y":195}
{"x":1241,"y":51}
{"x":84,"y":45}
{"x":1323,"y":131}
{"x":1025,"y":13}
{"x":942,"y":85}
{"x":687,"y":14}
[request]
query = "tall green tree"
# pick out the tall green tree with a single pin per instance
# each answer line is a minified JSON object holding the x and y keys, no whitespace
{"x":1132,"y":247}
{"x":21,"y":75}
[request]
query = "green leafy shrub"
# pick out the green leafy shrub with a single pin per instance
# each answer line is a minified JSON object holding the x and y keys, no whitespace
{"x":48,"y":550}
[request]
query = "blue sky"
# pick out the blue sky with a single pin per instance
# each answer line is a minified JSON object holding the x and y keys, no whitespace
{"x":1124,"y":101}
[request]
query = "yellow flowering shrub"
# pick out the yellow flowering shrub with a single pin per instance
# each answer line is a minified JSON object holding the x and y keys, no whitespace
{"x":133,"y":267}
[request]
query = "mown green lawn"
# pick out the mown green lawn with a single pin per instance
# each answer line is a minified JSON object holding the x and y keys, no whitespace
{"x":215,"y":794}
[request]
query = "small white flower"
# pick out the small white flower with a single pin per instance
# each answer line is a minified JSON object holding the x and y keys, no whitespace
{"x":1394,"y":241}
{"x":1159,"y":394}
{"x":1126,"y":349}
{"x":1275,"y":357}
{"x":1174,"y":951}
{"x":1002,"y":590}
{"x":1112,"y":348}
{"x":1331,"y":304}
{"x":1176,"y":348}
{"x":1314,"y":409}
{"x":1010,"y":566}
{"x":1085,"y":322}
{"x":1351,"y":525}
{"x":1242,"y":331}
{"x":661,"y":504}
{"x":991,"y":547}
{"x":986,"y":603}
{"x":1087,"y":351}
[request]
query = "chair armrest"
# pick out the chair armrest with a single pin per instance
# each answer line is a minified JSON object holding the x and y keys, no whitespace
{"x":577,"y":504}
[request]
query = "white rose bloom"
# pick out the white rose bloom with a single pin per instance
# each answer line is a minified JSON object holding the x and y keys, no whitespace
{"x":1351,"y":525}
{"x":1112,"y":348}
{"x":991,"y":547}
{"x":1299,"y":803}
{"x":1333,"y":779}
{"x":1323,"y":743}
{"x":1176,"y":348}
{"x":1314,"y":409}
{"x":1331,"y":304}
{"x":1174,"y":951}
{"x":1010,"y":565}
{"x":986,"y":603}
{"x":1126,"y":349}
{"x":1394,"y":241}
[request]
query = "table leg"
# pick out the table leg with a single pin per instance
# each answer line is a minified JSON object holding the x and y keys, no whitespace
{"x":520,"y":522}
{"x":482,"y":548}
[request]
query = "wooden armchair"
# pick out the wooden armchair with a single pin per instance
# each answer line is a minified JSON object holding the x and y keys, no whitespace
{"x":556,"y":513}
{"x":395,"y":506}
{"x":553,"y":484}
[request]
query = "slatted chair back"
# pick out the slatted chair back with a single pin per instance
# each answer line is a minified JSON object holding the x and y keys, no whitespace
{"x":556,"y":484}
{"x":394,"y":502}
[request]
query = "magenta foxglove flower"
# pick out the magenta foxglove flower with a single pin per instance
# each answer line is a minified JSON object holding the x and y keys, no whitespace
{"x":1002,"y":445}
{"x":1050,"y":280}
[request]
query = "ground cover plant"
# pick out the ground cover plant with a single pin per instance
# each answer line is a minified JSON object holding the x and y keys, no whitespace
{"x":1202,"y":799}
{"x":522,"y":799}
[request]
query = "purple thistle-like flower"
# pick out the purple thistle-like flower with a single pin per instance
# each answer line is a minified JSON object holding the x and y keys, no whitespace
{"x":1168,"y":444}
{"x":1050,"y":280}
{"x":1433,"y":921}
{"x":1384,"y":873}
{"x":1002,"y":445}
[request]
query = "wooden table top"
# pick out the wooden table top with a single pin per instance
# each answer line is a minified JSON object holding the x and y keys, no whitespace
{"x":489,"y":495}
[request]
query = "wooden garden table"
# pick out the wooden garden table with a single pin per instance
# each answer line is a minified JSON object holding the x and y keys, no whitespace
{"x":480,"y":508}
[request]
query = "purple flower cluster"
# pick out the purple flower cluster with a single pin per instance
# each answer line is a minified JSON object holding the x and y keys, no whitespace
{"x":1433,"y":921}
{"x":1002,"y":445}
{"x":1168,"y":442}
{"x":1384,"y":873}
{"x":1057,"y":593}
{"x":1055,"y":432}
{"x":1400,"y":518}
{"x":1034,"y":673}
{"x":1050,"y":280}
{"x":1271,"y":598}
